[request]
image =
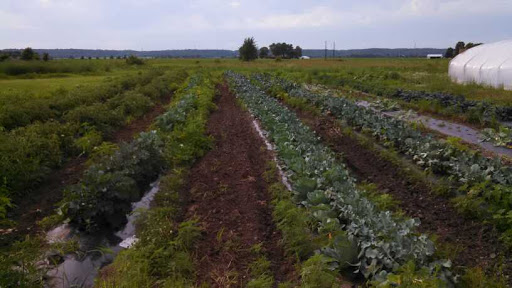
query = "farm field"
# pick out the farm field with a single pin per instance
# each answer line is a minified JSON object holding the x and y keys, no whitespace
{"x":251,"y":174}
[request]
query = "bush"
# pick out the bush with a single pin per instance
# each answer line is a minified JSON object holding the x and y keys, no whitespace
{"x":134,"y":60}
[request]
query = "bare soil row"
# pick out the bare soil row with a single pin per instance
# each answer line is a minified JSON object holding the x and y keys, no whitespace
{"x":227,"y":192}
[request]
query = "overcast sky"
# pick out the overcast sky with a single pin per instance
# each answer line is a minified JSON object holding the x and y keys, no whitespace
{"x":222,"y":24}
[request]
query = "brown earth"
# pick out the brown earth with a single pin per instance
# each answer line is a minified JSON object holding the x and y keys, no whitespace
{"x":472,"y":243}
{"x":43,"y":199}
{"x":229,"y":195}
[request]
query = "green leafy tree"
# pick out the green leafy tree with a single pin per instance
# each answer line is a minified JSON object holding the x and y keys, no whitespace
{"x":459,"y":48}
{"x":28,"y":54}
{"x":248,"y":51}
{"x":471,"y":45}
{"x":264,"y":51}
{"x":46,"y":56}
{"x":298,"y":52}
{"x":283,"y":50}
{"x":449,"y":53}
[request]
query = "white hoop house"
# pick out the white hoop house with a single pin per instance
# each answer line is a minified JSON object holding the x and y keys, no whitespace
{"x":488,"y":64}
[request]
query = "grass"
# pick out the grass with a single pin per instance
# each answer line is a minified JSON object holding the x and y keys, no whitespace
{"x":404,"y":73}
{"x":42,"y":87}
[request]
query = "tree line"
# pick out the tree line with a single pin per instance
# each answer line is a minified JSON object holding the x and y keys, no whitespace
{"x":27,"y":54}
{"x":459,"y":48}
{"x":249,"y":50}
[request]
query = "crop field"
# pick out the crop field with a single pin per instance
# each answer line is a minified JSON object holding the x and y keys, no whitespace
{"x":222,"y":173}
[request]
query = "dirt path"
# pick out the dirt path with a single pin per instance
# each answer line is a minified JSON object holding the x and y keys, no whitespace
{"x":471,"y":242}
{"x":43,"y":199}
{"x":230,"y":197}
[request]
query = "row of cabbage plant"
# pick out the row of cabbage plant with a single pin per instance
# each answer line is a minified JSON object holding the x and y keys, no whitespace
{"x":323,"y":185}
{"x":113,"y":182}
{"x":485,"y":184}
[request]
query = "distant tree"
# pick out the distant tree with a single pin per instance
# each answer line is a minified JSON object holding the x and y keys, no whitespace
{"x":89,"y":57}
{"x":134,"y":60}
{"x":46,"y":56}
{"x":28,"y":54}
{"x":459,"y":48}
{"x":264,"y":51}
{"x":449,"y":53}
{"x":248,"y":51}
{"x":118,"y":57}
{"x":111,"y":56}
{"x":285,"y":50}
{"x":298,"y":52}
{"x":82,"y":57}
{"x":4,"y":57}
{"x":471,"y":45}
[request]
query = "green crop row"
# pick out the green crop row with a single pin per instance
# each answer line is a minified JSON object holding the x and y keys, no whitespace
{"x":485,"y":185}
{"x":162,"y":256}
{"x":29,"y":153}
{"x":322,"y":184}
{"x":110,"y":185}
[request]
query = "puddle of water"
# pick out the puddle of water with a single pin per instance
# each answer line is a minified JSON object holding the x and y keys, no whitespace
{"x":270,"y":147}
{"x":466,"y":133}
{"x":102,"y":247}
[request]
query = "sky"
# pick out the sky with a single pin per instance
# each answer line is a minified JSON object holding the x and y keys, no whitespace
{"x":223,"y":24}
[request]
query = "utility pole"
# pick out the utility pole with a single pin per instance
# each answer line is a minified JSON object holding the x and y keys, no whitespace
{"x":334,"y":49}
{"x":325,"y":54}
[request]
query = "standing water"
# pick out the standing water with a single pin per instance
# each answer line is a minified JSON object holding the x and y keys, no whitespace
{"x":80,"y":269}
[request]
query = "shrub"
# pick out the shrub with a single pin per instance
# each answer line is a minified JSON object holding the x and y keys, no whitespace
{"x":134,"y":60}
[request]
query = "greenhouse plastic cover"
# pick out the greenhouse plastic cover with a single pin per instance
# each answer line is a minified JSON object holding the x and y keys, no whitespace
{"x":488,"y":64}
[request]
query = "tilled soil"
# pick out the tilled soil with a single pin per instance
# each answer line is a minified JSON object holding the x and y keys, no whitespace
{"x":229,"y":196}
{"x":473,"y":243}
{"x":42,"y":200}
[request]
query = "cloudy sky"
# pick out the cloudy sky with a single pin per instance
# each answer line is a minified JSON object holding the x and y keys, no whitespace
{"x":222,"y":24}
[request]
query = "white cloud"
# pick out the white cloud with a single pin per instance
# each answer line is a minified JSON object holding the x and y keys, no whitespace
{"x":160,"y":23}
{"x":235,"y":4}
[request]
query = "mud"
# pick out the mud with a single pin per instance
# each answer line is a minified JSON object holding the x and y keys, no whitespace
{"x":229,"y":195}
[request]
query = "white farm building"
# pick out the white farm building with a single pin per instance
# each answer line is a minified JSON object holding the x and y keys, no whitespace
{"x":435,"y":56}
{"x":488,"y":64}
